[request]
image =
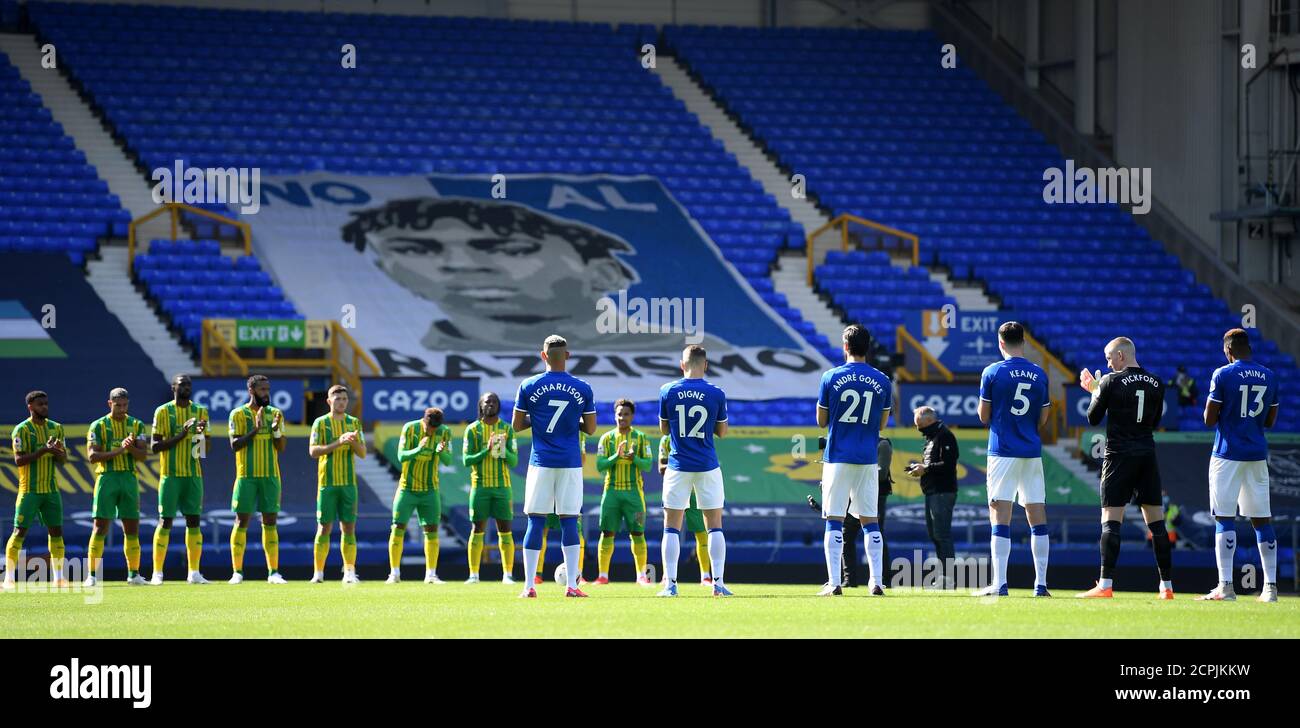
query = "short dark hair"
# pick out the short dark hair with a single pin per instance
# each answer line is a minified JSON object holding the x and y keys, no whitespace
{"x":434,"y":414}
{"x":625,"y":402}
{"x":500,"y":218}
{"x":1012,"y":332}
{"x":335,"y":389}
{"x":35,"y":395}
{"x":694,"y":354}
{"x":257,"y":379}
{"x":857,"y":339}
{"x":1237,"y":341}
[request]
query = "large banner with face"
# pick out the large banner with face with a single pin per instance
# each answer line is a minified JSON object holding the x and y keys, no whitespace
{"x":455,"y":276}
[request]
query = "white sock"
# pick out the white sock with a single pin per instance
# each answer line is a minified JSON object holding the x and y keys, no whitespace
{"x":833,"y":545}
{"x":530,"y":564}
{"x":1165,"y":585}
{"x":1001,"y":548}
{"x":1225,"y":547}
{"x":875,"y":556}
{"x":1040,"y":546}
{"x":717,"y":554}
{"x":1104,"y":583}
{"x":571,"y":564}
{"x":395,"y":572}
{"x":671,"y":547}
{"x":320,"y":574}
{"x":1268,"y":558}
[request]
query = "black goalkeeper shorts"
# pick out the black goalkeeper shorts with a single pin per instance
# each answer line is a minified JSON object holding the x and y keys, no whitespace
{"x":1129,"y":479}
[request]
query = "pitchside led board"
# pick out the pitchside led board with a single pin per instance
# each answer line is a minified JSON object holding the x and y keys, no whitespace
{"x":462,"y":277}
{"x":223,"y":394}
{"x":963,"y":341}
{"x":400,"y":400}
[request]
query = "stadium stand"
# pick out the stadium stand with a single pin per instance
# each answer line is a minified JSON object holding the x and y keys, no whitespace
{"x":446,"y":94}
{"x":193,"y":280}
{"x":51,"y":200}
{"x":77,"y":359}
{"x":884,"y":132}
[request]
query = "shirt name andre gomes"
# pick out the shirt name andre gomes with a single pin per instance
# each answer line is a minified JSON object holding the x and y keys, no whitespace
{"x":853,"y":377}
{"x":568,"y":389}
{"x":99,"y":682}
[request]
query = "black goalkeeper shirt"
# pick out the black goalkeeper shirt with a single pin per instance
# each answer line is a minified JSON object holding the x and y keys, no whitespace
{"x":1135,"y":399}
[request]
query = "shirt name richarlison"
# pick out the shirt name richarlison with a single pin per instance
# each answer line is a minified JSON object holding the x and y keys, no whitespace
{"x":100,"y":682}
{"x":548,"y":388}
{"x":853,"y":377}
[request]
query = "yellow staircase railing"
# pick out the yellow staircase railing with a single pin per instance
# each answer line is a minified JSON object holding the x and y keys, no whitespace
{"x":339,"y":355}
{"x":848,"y":227}
{"x":907,"y":345}
{"x":173,"y":210}
{"x":1059,"y":378}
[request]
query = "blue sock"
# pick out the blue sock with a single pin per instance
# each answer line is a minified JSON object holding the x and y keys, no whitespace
{"x":1265,"y":534}
{"x":834,"y":526}
{"x":1039,"y":530}
{"x":568,"y":530}
{"x":533,"y":534}
{"x":871,"y":527}
{"x":1002,"y":531}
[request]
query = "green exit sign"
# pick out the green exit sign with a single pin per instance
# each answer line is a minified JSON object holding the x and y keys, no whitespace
{"x":277,"y":333}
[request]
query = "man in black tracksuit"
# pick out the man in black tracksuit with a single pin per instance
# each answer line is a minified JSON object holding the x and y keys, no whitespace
{"x":938,"y":473}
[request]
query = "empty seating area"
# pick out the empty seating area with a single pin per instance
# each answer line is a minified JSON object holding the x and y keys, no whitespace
{"x":883,"y":131}
{"x":191,"y":280}
{"x":51,"y":200}
{"x":869,"y":289}
{"x":462,"y":95}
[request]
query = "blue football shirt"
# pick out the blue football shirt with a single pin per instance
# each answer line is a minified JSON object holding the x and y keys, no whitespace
{"x":856,"y":396}
{"x":692,"y":407}
{"x":555,"y":403}
{"x":1245,"y":391}
{"x":1016,"y":388}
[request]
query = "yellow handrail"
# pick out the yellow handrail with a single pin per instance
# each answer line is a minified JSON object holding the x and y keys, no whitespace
{"x":842,"y":221}
{"x":903,"y":339}
{"x":173,"y":210}
{"x":344,"y":359}
{"x":1056,"y":422}
{"x":215,"y":364}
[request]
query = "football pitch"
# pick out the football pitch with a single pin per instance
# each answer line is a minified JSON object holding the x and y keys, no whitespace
{"x":493,"y":610}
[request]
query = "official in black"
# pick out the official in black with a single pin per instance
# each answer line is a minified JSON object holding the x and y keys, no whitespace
{"x":938,"y":473}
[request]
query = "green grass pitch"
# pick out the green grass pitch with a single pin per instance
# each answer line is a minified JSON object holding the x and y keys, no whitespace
{"x":374,"y":609}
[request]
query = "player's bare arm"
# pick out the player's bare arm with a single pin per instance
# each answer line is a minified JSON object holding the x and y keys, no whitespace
{"x":521,"y":422}
{"x":985,"y":411}
{"x":1212,"y":409}
{"x":589,"y":423}
{"x":162,"y":444}
{"x":97,"y":453}
{"x":240,"y":442}
{"x":1272,"y":416}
